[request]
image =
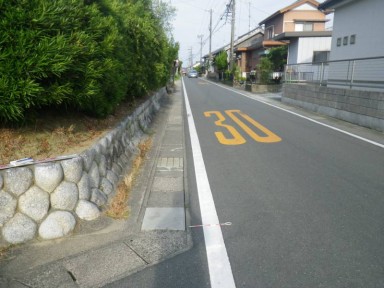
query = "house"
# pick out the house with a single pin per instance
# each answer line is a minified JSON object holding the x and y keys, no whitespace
{"x":301,"y":25}
{"x":356,"y":28}
{"x":357,"y":46}
{"x":240,"y":46}
{"x":246,"y":59}
{"x":352,"y":84}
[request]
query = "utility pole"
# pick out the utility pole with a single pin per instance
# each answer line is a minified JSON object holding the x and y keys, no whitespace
{"x":190,"y":58}
{"x":233,"y":2}
{"x":201,"y":47}
{"x":210,"y":39}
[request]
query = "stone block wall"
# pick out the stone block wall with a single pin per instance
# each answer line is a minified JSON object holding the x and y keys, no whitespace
{"x":259,"y":88}
{"x":364,"y":108}
{"x":45,"y":201}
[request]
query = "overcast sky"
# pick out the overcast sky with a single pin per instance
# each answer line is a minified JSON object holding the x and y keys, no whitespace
{"x":192,"y":19}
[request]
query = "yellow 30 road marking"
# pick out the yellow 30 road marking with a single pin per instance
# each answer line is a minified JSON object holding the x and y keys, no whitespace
{"x":237,"y":138}
{"x":270,"y":136}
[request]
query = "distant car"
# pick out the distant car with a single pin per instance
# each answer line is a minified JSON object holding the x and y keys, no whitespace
{"x":193,"y":74}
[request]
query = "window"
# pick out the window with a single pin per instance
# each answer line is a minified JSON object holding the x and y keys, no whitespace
{"x":320,"y":56}
{"x":269,"y":32}
{"x":352,"y":39}
{"x":339,"y":42}
{"x":303,"y":26}
{"x":308,"y":26}
{"x":345,"y":40}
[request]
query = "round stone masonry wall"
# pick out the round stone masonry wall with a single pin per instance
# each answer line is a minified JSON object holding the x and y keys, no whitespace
{"x":46,"y":200}
{"x":48,"y":176}
{"x":18,"y":180}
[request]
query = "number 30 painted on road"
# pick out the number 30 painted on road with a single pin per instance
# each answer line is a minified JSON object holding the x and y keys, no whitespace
{"x":237,"y":139}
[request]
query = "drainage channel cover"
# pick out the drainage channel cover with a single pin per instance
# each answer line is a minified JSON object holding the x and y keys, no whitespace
{"x":170,"y":163}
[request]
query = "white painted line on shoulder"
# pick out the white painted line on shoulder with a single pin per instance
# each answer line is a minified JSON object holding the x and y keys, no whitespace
{"x":211,"y":225}
{"x":307,"y":118}
{"x":220,"y":271}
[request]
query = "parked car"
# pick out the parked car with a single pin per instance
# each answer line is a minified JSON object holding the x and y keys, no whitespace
{"x":193,"y":74}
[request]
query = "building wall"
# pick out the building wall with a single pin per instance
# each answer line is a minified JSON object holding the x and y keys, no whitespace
{"x":307,"y":45}
{"x":293,"y":49}
{"x":248,"y":65}
{"x":301,"y":50}
{"x":242,"y":63}
{"x":289,"y":17}
{"x":277,"y":24}
{"x":255,"y":59}
{"x":363,"y":19}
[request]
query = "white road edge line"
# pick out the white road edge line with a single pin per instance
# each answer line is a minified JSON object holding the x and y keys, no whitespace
{"x":220,"y":271}
{"x":307,"y":118}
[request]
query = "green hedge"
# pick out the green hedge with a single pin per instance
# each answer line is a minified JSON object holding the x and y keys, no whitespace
{"x":79,"y":54}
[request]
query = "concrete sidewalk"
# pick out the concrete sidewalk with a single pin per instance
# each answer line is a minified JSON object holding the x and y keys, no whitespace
{"x":106,"y":250}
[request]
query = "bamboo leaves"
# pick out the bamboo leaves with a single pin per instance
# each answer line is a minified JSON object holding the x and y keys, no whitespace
{"x":87,"y":55}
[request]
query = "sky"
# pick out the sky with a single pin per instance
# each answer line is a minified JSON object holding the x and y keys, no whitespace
{"x":192,"y":20}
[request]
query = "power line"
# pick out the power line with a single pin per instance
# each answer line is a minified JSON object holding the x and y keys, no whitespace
{"x":213,"y":30}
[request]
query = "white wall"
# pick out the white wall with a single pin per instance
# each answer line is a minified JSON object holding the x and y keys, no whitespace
{"x":307,"y":45}
{"x":365,"y":19}
{"x":292,"y":51}
{"x":305,"y":7}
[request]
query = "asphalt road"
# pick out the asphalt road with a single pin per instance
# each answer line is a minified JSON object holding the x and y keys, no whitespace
{"x":306,"y":202}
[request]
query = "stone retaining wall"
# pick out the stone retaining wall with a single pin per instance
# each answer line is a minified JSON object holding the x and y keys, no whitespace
{"x":364,"y":108}
{"x":45,"y":201}
{"x":260,"y":88}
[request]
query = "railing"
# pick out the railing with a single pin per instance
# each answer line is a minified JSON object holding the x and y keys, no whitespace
{"x":255,"y":77}
{"x":360,"y":74}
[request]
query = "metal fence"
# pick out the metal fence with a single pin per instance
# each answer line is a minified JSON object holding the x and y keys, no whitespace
{"x":361,"y":74}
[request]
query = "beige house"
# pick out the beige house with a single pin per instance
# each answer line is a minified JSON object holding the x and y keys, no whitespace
{"x":301,"y":16}
{"x":301,"y":24}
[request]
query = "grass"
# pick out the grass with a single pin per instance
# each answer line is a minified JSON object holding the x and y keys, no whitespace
{"x":6,"y":251}
{"x":55,"y":133}
{"x":118,"y":208}
{"x":3,"y":252}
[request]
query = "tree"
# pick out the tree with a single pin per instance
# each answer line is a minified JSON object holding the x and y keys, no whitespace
{"x":278,"y":57}
{"x":221,"y":61}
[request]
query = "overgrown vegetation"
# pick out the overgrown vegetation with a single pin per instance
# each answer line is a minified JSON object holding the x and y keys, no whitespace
{"x":221,"y":61}
{"x":118,"y":208}
{"x":278,"y":58}
{"x":80,"y":55}
{"x":3,"y":252}
{"x":265,"y":69}
{"x":274,"y":61}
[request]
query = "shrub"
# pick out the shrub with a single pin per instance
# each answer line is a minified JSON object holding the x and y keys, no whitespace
{"x":221,"y":61}
{"x":75,"y":54}
{"x":265,"y":68}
